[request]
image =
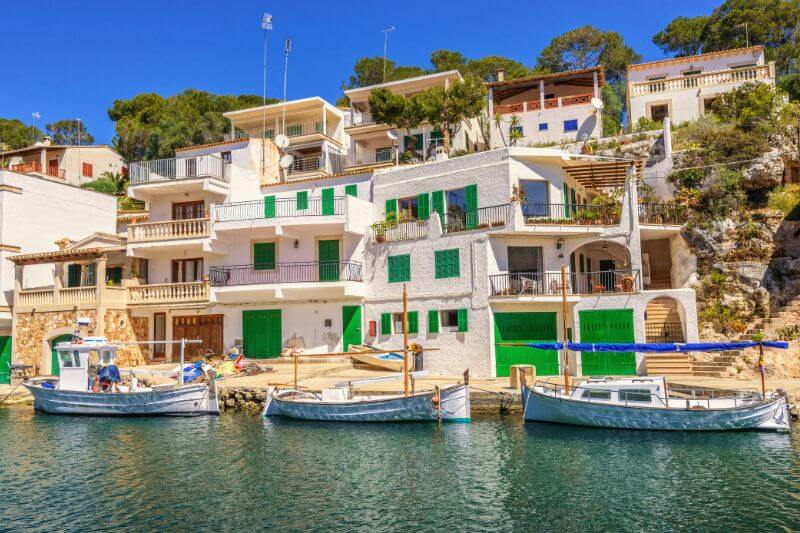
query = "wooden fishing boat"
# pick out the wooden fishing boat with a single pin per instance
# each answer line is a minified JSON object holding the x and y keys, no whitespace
{"x":646,"y":403}
{"x":76,"y":392}
{"x":392,"y":361}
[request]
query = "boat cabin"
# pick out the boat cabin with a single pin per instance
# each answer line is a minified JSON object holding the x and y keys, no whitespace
{"x":75,"y":359}
{"x":634,"y":392}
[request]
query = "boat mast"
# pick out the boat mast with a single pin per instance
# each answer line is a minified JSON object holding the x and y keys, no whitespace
{"x":406,"y":384}
{"x":564,"y":326}
{"x":761,"y":370}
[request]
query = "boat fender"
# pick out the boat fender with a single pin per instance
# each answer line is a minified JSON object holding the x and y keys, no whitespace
{"x":436,"y":400}
{"x":96,"y":384}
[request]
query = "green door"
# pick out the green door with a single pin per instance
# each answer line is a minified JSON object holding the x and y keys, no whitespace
{"x":261,"y":333}
{"x":351,"y":326}
{"x":610,"y":325}
{"x":522,"y":328}
{"x":54,"y":371}
{"x":329,"y":260}
{"x":328,"y":201}
{"x":5,"y":360}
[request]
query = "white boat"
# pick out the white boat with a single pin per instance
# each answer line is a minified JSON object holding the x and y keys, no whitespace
{"x":388,"y":361}
{"x":78,"y":393}
{"x":646,"y":403}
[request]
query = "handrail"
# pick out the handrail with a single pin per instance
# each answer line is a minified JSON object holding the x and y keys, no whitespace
{"x":495,"y":216}
{"x":173,"y":168}
{"x":402,"y":230}
{"x":549,"y":103}
{"x":573,"y":214}
{"x":169,"y":229}
{"x":704,"y":79}
{"x":664,"y":214}
{"x":284,"y":207}
{"x":278,"y":273}
{"x":549,"y":283}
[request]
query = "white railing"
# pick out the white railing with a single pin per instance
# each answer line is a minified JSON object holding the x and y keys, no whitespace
{"x":293,"y":129}
{"x":170,"y":229}
{"x":706,"y":79}
{"x":355,"y":120}
{"x":30,"y":297}
{"x":195,"y":291}
{"x":157,"y":170}
{"x":236,"y":136}
{"x":371,"y":158}
{"x":76,"y":295}
{"x":118,"y":295}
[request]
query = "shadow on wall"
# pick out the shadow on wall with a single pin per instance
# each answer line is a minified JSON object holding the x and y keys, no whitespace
{"x":587,"y":128}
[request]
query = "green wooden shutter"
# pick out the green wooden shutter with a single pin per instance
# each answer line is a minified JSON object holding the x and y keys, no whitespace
{"x":302,"y":200}
{"x":264,"y":256}
{"x":391,"y":209}
{"x":437,"y":200}
{"x":262,"y":333}
{"x":413,"y":322}
{"x":573,"y":197}
{"x":433,"y":321}
{"x":399,"y":268}
{"x":447,"y":263}
{"x":463,"y":325}
{"x":386,"y":323}
{"x":471,"y":196}
{"x":114,"y":275}
{"x":327,"y":201}
{"x":328,"y":253}
{"x":351,"y":190}
{"x":423,"y":206}
{"x":414,"y":141}
{"x":91,"y":279}
{"x":5,"y":360}
{"x":73,"y":275}
{"x":269,"y":207}
{"x":566,"y":201}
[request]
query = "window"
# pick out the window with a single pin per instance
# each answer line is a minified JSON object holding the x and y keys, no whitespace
{"x":351,"y":190}
{"x":658,"y":112}
{"x":407,"y":208}
{"x":453,"y":320}
{"x":188,"y":210}
{"x":399,"y":268}
{"x":456,"y":201}
{"x":226,"y":157}
{"x":264,"y":256}
{"x":88,"y":171}
{"x":536,"y":198}
{"x":543,"y":126}
{"x":447,"y":263}
{"x":386,"y":323}
{"x":187,"y":270}
{"x":593,"y":394}
{"x":571,"y":125}
{"x":114,"y":276}
{"x":635,"y":395}
{"x":383,"y":154}
{"x":412,"y":324}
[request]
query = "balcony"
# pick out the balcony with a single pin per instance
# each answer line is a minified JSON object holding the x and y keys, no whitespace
{"x":663,"y":214}
{"x":357,"y":119}
{"x":301,"y":167}
{"x":576,"y":215}
{"x":401,"y":230}
{"x":521,"y":284}
{"x":379,"y":157}
{"x":261,"y":209}
{"x":35,"y":167}
{"x":50,"y":296}
{"x":182,"y":168}
{"x":193,"y":228}
{"x":706,"y":79}
{"x":169,"y":293}
{"x":292,"y":130}
{"x":549,"y":103}
{"x":492,"y":217}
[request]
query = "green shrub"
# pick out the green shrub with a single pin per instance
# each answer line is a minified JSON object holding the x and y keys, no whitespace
{"x":646,"y":124}
{"x":723,"y":318}
{"x":786,"y":199}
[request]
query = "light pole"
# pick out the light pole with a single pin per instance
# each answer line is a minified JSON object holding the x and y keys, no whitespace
{"x":385,"y":45}
{"x":287,"y":47}
{"x":266,"y":25}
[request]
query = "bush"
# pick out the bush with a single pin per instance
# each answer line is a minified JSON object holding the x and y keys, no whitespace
{"x":786,"y":199}
{"x":723,"y":318}
{"x":646,"y":124}
{"x":101,"y":185}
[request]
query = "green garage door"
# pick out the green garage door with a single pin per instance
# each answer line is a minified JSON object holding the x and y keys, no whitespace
{"x":611,"y":325}
{"x":54,"y":371}
{"x":261,"y":332}
{"x":525,"y":327}
{"x":5,"y":360}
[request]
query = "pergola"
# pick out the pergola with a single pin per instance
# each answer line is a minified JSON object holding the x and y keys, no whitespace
{"x":602,"y":174}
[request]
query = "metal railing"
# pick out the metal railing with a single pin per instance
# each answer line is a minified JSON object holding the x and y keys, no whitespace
{"x":549,"y":283}
{"x":402,"y":230}
{"x":306,"y":164}
{"x":665,"y":214}
{"x":706,"y":79}
{"x":169,"y":229}
{"x":378,"y":157}
{"x":589,"y":215}
{"x":269,"y":274}
{"x":236,"y":136}
{"x":495,"y":216}
{"x":205,"y":166}
{"x":355,"y":120}
{"x":255,"y":209}
{"x":193,"y":291}
{"x":36,"y":167}
{"x":664,"y":331}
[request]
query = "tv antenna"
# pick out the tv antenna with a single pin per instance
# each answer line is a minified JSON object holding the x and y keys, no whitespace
{"x":385,"y":45}
{"x":266,"y":25}
{"x":287,"y":47}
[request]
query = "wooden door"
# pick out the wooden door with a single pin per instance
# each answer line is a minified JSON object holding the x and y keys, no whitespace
{"x":207,"y":328}
{"x":188,"y":210}
{"x":159,"y":334}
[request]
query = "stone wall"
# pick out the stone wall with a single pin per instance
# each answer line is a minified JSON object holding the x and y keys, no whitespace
{"x":121,"y":327}
{"x":34,"y":330}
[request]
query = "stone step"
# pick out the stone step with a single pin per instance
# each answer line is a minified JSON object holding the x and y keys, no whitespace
{"x":707,"y":374}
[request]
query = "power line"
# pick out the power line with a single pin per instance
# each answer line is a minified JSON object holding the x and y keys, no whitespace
{"x":665,"y":173}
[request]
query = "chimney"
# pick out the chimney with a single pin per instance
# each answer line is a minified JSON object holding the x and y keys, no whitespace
{"x":501,"y":74}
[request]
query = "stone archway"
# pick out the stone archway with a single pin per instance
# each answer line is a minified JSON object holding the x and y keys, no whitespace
{"x":603,"y":266}
{"x":46,"y":360}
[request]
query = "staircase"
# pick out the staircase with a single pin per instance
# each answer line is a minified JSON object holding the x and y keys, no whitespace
{"x":668,"y":365}
{"x":663,"y":322}
{"x":660,"y":282}
{"x":788,"y":314}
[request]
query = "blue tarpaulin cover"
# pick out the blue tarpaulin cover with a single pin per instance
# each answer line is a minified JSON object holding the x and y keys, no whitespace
{"x":109,"y":373}
{"x":192,"y":372}
{"x":667,"y":347}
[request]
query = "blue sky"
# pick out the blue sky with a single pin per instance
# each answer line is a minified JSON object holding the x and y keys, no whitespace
{"x":72,"y":59}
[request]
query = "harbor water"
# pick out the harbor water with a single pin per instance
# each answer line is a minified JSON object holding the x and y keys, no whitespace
{"x":239,"y":472}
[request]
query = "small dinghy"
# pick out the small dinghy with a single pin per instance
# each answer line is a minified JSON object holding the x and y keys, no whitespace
{"x":88,"y":385}
{"x":386,"y":360}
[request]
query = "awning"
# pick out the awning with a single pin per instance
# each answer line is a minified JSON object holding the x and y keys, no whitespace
{"x":668,"y":347}
{"x":62,"y":256}
{"x":602,"y":174}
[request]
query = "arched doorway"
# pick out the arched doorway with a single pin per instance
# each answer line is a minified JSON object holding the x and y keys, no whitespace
{"x":663,"y":321}
{"x":54,"y":354}
{"x":602,"y":266}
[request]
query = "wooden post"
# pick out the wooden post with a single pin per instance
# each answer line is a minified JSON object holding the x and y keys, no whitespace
{"x":761,"y":370}
{"x":564,"y":325}
{"x":183,"y":356}
{"x":406,"y":383}
{"x":294,"y":353}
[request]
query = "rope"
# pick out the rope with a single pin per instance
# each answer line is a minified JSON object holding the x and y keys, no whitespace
{"x":11,"y":393}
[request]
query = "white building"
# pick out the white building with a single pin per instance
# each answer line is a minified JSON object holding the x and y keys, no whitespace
{"x":75,"y":164}
{"x":683,"y":88}
{"x":546,"y":109}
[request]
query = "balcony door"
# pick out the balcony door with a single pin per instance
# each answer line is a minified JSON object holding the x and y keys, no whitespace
{"x":188,"y":210}
{"x":328,"y":255}
{"x":536,"y":202}
{"x":187,"y":270}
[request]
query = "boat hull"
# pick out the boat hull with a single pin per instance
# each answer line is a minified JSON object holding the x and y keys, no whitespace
{"x":395,"y":365}
{"x":769,"y":415}
{"x":189,"y":400}
{"x":453,"y":407}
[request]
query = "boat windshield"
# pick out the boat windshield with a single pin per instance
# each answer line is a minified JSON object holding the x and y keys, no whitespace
{"x":69,"y":359}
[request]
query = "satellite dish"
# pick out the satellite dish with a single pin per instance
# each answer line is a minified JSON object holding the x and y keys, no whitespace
{"x":391,"y":134}
{"x":597,"y":103}
{"x":286,"y":161}
{"x":282,"y":141}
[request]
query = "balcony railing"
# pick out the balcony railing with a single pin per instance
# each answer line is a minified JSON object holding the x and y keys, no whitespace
{"x":549,"y":283}
{"x":67,"y":295}
{"x":35,"y":167}
{"x":258,"y":209}
{"x":665,"y":214}
{"x":166,"y":293}
{"x":402,"y":230}
{"x":190,"y":228}
{"x":281,"y":273}
{"x":301,"y":165}
{"x":549,"y":103}
{"x":706,"y":79}
{"x":495,"y":216}
{"x":358,"y":119}
{"x":293,"y":129}
{"x":158,"y":170}
{"x":379,"y":157}
{"x":582,"y":215}
{"x":29,"y":297}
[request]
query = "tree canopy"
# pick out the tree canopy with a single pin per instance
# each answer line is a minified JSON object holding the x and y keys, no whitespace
{"x":16,"y":134}
{"x":683,"y":36}
{"x":150,"y":126}
{"x":69,"y":132}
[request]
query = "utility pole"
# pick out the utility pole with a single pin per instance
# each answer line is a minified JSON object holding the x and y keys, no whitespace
{"x":266,"y":25}
{"x":385,"y":46}
{"x":287,"y":47}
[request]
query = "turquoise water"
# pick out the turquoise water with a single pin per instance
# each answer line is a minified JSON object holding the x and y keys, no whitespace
{"x":239,"y":472}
